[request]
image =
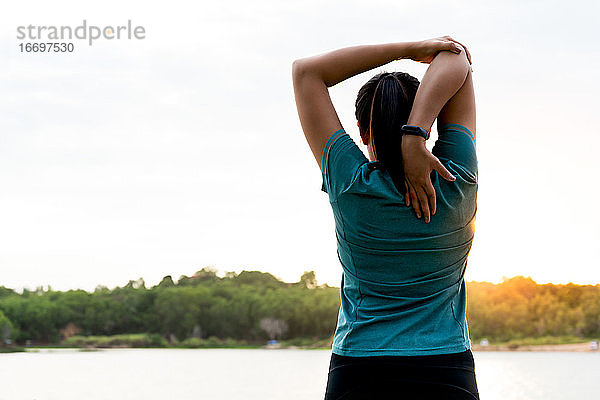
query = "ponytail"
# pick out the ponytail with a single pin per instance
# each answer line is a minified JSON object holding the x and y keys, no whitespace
{"x":383,"y":105}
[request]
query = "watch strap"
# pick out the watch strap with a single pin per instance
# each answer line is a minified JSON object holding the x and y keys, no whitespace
{"x":414,"y":130}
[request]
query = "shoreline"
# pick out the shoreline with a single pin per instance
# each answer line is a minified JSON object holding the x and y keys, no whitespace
{"x":571,"y":347}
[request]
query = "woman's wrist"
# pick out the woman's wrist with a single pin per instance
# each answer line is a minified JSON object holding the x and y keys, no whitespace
{"x":412,"y":140}
{"x":405,"y":50}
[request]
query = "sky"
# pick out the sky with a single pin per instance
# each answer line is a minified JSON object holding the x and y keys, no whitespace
{"x":183,"y":150}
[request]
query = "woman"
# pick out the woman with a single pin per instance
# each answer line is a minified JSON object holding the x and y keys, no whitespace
{"x":402,"y":330}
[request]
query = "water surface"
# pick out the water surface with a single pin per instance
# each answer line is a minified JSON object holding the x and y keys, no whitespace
{"x":215,"y":374}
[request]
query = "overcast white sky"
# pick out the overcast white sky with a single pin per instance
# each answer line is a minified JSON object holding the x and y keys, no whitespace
{"x":158,"y":157}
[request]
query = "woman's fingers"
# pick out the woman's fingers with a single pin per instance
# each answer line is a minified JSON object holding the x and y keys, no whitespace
{"x":444,"y":173}
{"x":415,"y":201}
{"x":430,"y":191}
{"x":422,"y":199}
{"x":464,"y":47}
{"x":407,"y":194}
{"x":451,"y":46}
{"x":424,"y":202}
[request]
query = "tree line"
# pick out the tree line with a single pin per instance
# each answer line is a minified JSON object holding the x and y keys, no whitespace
{"x":256,"y":306}
{"x":251,"y":305}
{"x":520,"y":308}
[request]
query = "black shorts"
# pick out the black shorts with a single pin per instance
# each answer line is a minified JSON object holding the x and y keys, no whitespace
{"x":443,"y":376}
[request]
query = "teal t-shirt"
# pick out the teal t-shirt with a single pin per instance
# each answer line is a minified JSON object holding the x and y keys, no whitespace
{"x":402,"y":289}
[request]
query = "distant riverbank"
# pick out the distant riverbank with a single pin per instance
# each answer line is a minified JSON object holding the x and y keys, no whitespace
{"x":144,"y":340}
{"x":575,"y":347}
{"x":545,"y":343}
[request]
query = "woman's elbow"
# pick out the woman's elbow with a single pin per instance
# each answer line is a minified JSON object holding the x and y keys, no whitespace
{"x":305,"y":69}
{"x":464,"y":60}
{"x":453,"y":64}
{"x":299,"y":69}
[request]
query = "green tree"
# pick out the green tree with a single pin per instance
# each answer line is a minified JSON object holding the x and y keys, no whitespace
{"x":5,"y":328}
{"x":308,"y":280}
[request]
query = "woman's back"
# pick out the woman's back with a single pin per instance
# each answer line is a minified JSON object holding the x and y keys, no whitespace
{"x":402,"y":290}
{"x":402,"y":330}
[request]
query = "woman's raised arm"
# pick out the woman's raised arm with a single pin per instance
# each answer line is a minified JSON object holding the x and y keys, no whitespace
{"x":445,"y":76}
{"x":313,"y":75}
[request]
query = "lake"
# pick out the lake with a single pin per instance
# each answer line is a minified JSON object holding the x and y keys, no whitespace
{"x":215,"y":374}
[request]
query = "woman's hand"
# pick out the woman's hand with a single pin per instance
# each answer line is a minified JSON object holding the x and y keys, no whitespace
{"x":426,"y":50}
{"x":418,"y":163}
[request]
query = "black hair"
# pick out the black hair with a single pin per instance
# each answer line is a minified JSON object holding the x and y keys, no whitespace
{"x":383,"y":105}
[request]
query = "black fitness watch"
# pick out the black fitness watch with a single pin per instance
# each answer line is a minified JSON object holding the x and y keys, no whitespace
{"x":414,"y":130}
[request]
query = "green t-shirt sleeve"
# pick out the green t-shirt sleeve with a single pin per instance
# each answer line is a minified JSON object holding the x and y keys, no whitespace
{"x":340,"y":162}
{"x":456,"y":143}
